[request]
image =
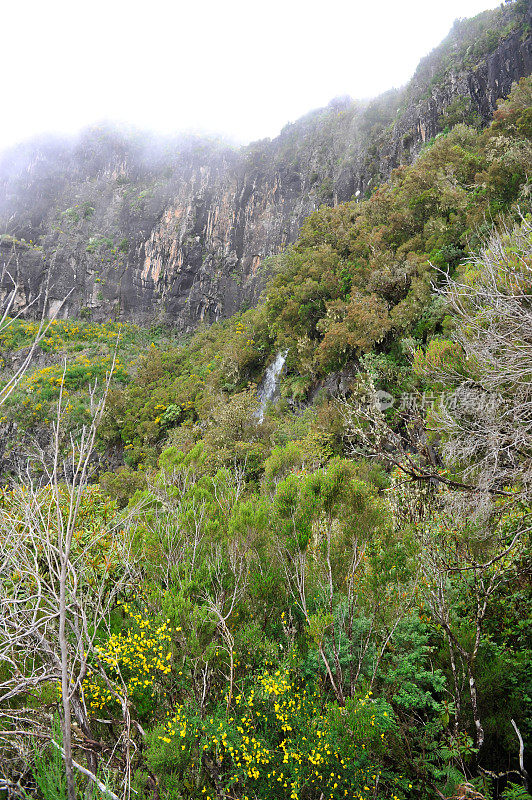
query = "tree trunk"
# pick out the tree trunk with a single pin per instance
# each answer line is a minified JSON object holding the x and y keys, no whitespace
{"x":66,"y":723}
{"x":474,"y":706}
{"x":457,"y":699}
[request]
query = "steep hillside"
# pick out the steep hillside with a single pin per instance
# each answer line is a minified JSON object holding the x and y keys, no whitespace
{"x":319,"y":598}
{"x":287,"y":555}
{"x":137,"y":228}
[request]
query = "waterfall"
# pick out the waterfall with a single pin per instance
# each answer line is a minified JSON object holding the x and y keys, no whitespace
{"x":270,"y":383}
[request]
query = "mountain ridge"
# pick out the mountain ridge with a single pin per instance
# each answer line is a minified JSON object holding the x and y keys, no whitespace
{"x":178,"y":232}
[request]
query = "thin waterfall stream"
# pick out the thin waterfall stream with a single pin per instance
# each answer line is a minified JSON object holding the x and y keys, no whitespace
{"x":270,"y":383}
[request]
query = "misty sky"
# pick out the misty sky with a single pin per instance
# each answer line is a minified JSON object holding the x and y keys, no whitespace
{"x":239,"y":68}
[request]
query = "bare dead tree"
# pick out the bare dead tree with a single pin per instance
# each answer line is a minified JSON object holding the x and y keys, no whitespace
{"x":485,"y":423}
{"x":368,"y":433}
{"x":53,"y":603}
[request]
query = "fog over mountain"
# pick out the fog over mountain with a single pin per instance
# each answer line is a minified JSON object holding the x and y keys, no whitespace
{"x":237,"y":69}
{"x":135,"y":225}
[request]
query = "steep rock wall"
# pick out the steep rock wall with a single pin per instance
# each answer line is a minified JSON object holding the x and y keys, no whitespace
{"x":118,"y":225}
{"x":480,"y":89}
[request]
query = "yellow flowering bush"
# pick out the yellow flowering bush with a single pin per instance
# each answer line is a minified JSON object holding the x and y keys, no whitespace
{"x":134,"y":661}
{"x":36,"y":398}
{"x":279,"y":740}
{"x":62,"y":333}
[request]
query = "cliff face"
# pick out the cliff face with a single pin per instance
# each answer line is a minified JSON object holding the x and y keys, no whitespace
{"x":129,"y":226}
{"x":471,"y":94}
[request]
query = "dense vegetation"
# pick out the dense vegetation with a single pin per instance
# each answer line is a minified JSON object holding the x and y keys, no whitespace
{"x":332,"y":602}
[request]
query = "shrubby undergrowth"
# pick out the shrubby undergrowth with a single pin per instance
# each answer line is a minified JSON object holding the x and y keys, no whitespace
{"x":333,"y":602}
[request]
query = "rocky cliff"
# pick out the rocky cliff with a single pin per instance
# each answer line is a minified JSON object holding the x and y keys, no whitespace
{"x":126,"y":225}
